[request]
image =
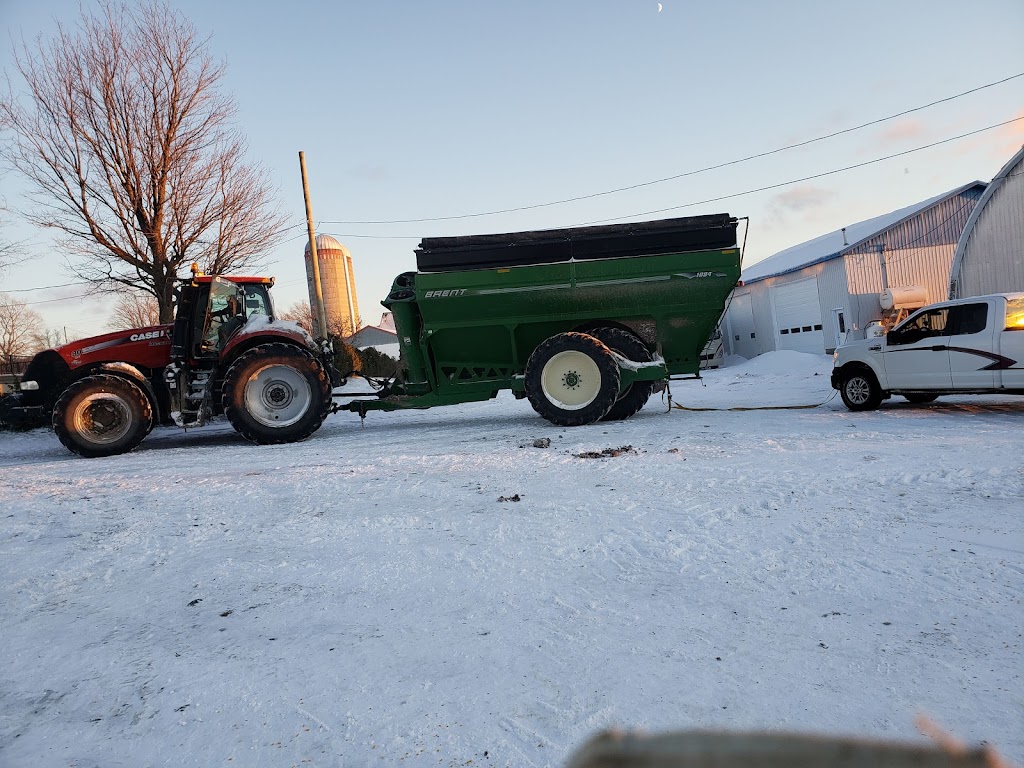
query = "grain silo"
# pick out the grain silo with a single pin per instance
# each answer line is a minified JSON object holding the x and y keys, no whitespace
{"x":338,"y":283}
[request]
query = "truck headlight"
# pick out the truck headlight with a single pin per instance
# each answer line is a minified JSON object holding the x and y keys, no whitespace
{"x":26,"y":386}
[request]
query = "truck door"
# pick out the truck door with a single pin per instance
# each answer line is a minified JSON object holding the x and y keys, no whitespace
{"x":915,"y":353}
{"x":1011,"y":343}
{"x":971,"y":346}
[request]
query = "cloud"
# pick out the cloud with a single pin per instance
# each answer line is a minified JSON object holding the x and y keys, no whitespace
{"x":903,"y":130}
{"x":801,"y":202}
{"x":801,"y":198}
{"x":369,"y":173}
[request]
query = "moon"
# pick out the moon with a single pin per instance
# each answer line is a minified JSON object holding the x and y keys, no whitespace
{"x":660,"y":6}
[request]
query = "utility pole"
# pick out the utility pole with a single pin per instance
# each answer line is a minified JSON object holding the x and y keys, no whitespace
{"x":318,"y":311}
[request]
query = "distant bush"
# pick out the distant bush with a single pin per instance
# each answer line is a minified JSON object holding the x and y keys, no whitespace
{"x":346,"y":357}
{"x":375,"y":363}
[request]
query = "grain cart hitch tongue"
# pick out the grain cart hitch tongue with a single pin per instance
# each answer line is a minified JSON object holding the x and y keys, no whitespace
{"x":582,"y":322}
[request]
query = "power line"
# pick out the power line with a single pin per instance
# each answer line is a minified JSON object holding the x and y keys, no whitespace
{"x":47,"y":301}
{"x":806,"y":178}
{"x":687,"y":173}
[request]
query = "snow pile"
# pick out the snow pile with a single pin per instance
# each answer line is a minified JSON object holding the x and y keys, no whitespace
{"x":367,"y":598}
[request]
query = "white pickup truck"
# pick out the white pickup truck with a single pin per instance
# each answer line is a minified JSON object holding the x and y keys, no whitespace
{"x":973,"y":346}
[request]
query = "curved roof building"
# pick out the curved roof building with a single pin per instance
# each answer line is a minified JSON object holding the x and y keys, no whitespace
{"x":989,"y":255}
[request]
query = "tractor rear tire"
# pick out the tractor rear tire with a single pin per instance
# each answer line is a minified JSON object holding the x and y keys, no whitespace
{"x":102,"y":416}
{"x":276,"y":393}
{"x":630,"y":347}
{"x":572,"y":379}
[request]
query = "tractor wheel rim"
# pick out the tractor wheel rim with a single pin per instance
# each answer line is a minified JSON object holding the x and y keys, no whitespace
{"x":277,"y":396}
{"x":571,"y":380}
{"x":857,"y":390}
{"x":102,"y":418}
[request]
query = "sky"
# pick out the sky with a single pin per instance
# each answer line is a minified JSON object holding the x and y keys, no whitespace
{"x":410,"y":110}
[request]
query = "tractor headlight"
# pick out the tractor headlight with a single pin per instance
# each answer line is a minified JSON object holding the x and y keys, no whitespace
{"x":27,"y":386}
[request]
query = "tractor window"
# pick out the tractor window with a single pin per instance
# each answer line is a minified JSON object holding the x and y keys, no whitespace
{"x":256,"y":300}
{"x":223,"y":306}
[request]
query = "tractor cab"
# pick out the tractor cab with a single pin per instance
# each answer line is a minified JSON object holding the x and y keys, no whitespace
{"x":212,"y":309}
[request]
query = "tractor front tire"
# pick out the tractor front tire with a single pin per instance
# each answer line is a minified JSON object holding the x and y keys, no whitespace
{"x":630,"y":347}
{"x":102,"y":416}
{"x":572,"y":379}
{"x":276,"y":393}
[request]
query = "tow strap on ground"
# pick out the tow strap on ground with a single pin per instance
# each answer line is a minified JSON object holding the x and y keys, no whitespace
{"x":677,"y":406}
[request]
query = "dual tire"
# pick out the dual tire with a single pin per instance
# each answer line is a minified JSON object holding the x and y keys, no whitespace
{"x":573,"y":378}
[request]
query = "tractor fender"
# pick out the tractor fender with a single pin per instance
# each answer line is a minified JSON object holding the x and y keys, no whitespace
{"x":267,"y":332}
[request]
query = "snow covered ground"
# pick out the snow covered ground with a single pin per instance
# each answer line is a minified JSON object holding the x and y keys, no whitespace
{"x":366,"y":598}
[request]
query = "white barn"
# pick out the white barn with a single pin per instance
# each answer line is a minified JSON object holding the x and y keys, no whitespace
{"x":814,"y":296}
{"x":989,"y":257}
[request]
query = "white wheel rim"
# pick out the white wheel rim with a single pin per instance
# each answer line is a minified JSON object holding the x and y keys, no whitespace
{"x":277,"y":396}
{"x":571,"y":380}
{"x":857,"y":390}
{"x":102,"y":418}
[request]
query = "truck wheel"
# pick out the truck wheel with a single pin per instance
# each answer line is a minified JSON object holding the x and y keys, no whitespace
{"x":631,"y":348}
{"x":920,"y":399}
{"x":102,"y":416}
{"x":276,"y":393}
{"x":572,"y":379}
{"x":860,"y":390}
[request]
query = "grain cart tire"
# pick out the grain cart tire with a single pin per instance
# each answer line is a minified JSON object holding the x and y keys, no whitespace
{"x":860,"y":390}
{"x":631,"y":348}
{"x":276,"y":393}
{"x":102,"y":416}
{"x":920,"y":399}
{"x":572,"y":379}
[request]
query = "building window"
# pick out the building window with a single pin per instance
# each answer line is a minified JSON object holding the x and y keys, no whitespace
{"x":817,"y":327}
{"x":784,"y":331}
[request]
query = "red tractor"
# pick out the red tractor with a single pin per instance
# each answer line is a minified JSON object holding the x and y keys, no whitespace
{"x":225,"y":353}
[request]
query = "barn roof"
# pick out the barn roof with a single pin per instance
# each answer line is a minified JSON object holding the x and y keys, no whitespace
{"x":831,"y":246}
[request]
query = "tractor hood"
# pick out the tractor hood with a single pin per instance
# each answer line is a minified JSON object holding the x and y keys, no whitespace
{"x":148,"y":347}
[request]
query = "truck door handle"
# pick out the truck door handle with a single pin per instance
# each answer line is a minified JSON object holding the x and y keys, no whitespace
{"x":875,"y":347}
{"x":938,"y":349}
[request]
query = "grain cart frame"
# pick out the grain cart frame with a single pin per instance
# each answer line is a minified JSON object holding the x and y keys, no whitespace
{"x":583,"y":322}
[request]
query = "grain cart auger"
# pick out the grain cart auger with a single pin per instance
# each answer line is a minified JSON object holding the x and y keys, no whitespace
{"x":582,"y":322}
{"x":225,"y":354}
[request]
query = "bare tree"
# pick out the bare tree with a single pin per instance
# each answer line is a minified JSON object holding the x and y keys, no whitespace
{"x":300,"y":313}
{"x":134,"y":310}
{"x":133,"y":154}
{"x":338,"y":326}
{"x":19,"y":326}
{"x":47,"y":338}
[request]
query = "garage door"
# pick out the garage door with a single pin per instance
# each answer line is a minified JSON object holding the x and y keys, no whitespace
{"x":740,"y":327}
{"x":798,"y":317}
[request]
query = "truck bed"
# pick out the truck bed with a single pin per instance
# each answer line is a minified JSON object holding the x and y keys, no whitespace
{"x":553,"y":246}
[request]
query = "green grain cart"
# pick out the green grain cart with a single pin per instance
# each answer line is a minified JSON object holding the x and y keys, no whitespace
{"x":583,"y":322}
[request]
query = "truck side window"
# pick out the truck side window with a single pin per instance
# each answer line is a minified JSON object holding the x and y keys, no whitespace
{"x":968,"y":319}
{"x":1015,"y":314}
{"x":922,"y":326}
